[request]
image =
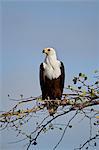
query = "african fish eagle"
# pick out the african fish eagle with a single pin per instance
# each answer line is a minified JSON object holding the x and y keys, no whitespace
{"x":52,"y":76}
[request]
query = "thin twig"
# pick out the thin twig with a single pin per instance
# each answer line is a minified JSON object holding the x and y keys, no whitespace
{"x":65,"y":130}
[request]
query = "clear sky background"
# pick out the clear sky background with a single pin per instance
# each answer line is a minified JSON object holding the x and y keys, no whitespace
{"x":71,"y":27}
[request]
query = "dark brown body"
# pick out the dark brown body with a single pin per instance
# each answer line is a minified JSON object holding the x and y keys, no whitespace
{"x":52,"y":89}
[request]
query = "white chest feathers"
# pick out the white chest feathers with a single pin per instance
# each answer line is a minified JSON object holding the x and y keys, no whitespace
{"x":52,"y":69}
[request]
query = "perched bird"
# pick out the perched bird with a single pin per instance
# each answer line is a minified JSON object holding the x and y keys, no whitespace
{"x":52,"y":76}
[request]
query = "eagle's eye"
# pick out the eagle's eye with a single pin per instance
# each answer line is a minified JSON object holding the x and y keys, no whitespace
{"x":48,"y":49}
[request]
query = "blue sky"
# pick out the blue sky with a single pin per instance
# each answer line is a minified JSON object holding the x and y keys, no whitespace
{"x":72,"y":28}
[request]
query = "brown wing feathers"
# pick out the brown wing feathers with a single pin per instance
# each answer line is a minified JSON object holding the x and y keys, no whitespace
{"x":52,"y":88}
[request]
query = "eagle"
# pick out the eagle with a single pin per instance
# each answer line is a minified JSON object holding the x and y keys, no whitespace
{"x":52,"y":76}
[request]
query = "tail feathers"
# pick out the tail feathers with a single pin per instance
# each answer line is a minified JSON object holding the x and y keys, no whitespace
{"x":52,"y":108}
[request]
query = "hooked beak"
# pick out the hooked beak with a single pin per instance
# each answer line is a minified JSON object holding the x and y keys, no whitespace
{"x":45,"y":51}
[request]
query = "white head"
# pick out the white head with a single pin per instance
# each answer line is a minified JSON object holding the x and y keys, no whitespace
{"x":51,"y":64}
{"x":49,"y":51}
